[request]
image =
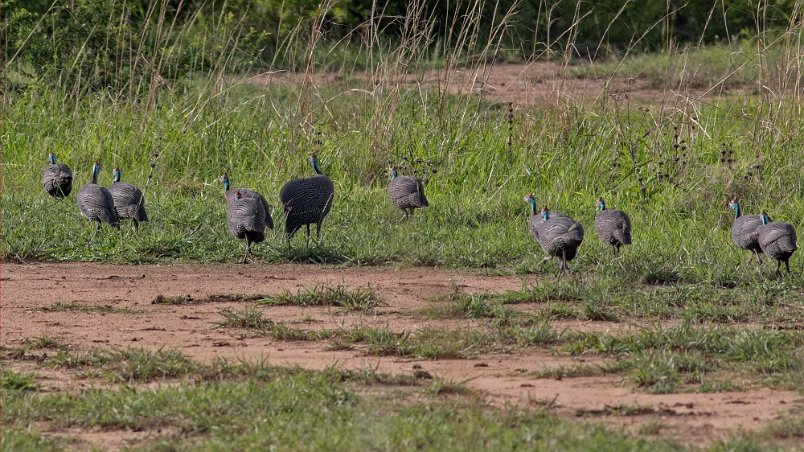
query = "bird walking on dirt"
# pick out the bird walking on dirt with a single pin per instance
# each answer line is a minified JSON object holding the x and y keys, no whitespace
{"x":96,"y":202}
{"x":57,"y":178}
{"x":307,"y":201}
{"x":745,"y":230}
{"x":230,"y":194}
{"x":613,"y":227}
{"x":777,"y":240}
{"x":557,"y":234}
{"x":246,"y":219}
{"x":406,"y":192}
{"x":129,"y":201}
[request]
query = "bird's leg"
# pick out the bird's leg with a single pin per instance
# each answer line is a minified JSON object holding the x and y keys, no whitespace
{"x":308,"y":235}
{"x":97,"y":230}
{"x":248,"y":251}
{"x":787,"y":264}
{"x":136,"y":226}
{"x":544,"y":260}
{"x":318,"y":231}
{"x":614,"y":249}
{"x":778,"y":267}
{"x":411,"y":211}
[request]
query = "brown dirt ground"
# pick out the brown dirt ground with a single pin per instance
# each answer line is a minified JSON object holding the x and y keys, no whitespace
{"x":501,"y":378}
{"x":536,"y":83}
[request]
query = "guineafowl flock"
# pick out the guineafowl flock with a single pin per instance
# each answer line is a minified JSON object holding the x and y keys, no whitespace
{"x":307,"y":201}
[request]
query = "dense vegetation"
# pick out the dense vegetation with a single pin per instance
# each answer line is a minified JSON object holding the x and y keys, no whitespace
{"x":128,"y":45}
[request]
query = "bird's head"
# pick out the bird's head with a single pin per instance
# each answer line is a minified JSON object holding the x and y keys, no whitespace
{"x":764,"y":217}
{"x":394,"y":171}
{"x":116,"y":174}
{"x":225,"y":179}
{"x":314,"y":162}
{"x":545,"y":213}
{"x":734,"y":204}
{"x":601,"y":204}
{"x":51,"y":157}
{"x":531,"y":202}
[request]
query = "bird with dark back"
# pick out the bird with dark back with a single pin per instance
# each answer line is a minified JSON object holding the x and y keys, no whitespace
{"x":246,"y":219}
{"x":229,"y":194}
{"x":96,"y":203}
{"x":777,"y":240}
{"x":129,"y":201}
{"x":307,"y":201}
{"x":406,"y":192}
{"x":613,"y":227}
{"x":57,"y":178}
{"x":558,"y":235}
{"x":745,"y":230}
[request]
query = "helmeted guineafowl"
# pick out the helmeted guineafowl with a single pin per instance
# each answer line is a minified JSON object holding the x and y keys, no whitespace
{"x":96,"y":203}
{"x":745,"y":230}
{"x":57,"y":178}
{"x":128,"y":200}
{"x":307,"y":201}
{"x":778,"y":240}
{"x":613,"y":227}
{"x":246,"y":218}
{"x":406,"y":192}
{"x":557,"y":234}
{"x":229,"y":193}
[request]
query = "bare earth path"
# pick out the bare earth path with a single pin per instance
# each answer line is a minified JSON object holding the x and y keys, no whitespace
{"x":28,"y":289}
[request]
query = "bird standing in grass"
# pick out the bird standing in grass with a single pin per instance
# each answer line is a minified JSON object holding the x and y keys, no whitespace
{"x":307,"y":201}
{"x":128,"y":200}
{"x":246,"y":218}
{"x":230,"y":193}
{"x":558,"y":235}
{"x":406,"y":192}
{"x":745,"y":230}
{"x":613,"y":227}
{"x":96,"y":202}
{"x":777,"y":240}
{"x":58,"y":178}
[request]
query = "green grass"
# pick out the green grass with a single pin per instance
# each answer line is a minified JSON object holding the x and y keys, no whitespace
{"x":364,"y":299}
{"x":11,"y":380}
{"x":476,"y":218}
{"x":251,"y":319}
{"x":292,"y":409}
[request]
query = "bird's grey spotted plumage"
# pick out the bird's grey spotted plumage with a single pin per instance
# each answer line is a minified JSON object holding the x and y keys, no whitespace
{"x":96,"y":202}
{"x":230,"y":194}
{"x":57,"y":178}
{"x":557,"y":234}
{"x":745,"y":230}
{"x":778,"y":240}
{"x":406,"y":192}
{"x":613,"y":227}
{"x":129,"y":201}
{"x":307,"y":201}
{"x":246,"y":218}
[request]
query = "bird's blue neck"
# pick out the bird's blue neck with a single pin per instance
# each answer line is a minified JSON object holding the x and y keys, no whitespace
{"x":314,"y":162}
{"x":116,"y":175}
{"x":737,"y":211}
{"x":532,"y":203}
{"x":95,"y":171}
{"x":393,"y":174}
{"x":226,"y":184}
{"x":52,"y":159}
{"x":764,"y":218}
{"x":546,"y":215}
{"x":601,"y":206}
